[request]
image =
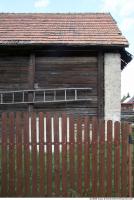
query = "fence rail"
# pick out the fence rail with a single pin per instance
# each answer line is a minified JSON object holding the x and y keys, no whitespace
{"x":46,"y":156}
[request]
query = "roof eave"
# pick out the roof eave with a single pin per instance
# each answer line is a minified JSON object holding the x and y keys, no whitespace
{"x":64,"y":44}
{"x":126,"y":58}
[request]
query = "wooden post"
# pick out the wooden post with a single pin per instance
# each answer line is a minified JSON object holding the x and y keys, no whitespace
{"x":31,"y":80}
{"x":100,"y":85}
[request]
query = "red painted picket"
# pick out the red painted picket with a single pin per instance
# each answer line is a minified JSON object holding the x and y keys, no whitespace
{"x":4,"y":184}
{"x":19,"y":154}
{"x":109,"y":158}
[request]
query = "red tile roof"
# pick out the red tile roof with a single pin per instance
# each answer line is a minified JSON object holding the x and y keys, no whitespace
{"x":61,"y":28}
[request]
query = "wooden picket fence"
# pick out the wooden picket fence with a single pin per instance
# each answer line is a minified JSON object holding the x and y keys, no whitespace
{"x":44,"y":155}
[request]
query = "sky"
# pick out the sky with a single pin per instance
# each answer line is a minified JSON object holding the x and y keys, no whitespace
{"x":121,"y":10}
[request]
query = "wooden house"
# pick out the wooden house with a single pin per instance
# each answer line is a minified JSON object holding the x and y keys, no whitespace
{"x":61,"y":62}
{"x":127,"y":109}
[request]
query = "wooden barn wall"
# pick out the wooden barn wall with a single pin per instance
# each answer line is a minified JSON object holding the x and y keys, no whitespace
{"x":70,"y":72}
{"x":66,"y":72}
{"x":54,"y":72}
{"x":13,"y":72}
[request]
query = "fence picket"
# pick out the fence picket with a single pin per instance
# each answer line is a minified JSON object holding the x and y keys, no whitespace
{"x":49,"y":154}
{"x":79,"y":155}
{"x":130,"y":168}
{"x":86,"y":156}
{"x":26,"y":154}
{"x":71,"y":152}
{"x":4,"y":156}
{"x":102,"y":158}
{"x":94,"y":156}
{"x":56,"y":155}
{"x":117,"y":158}
{"x":19,"y":154}
{"x":109,"y":158}
{"x":64,"y":154}
{"x":11,"y":156}
{"x":41,"y":155}
{"x":124,"y":177}
{"x":34,"y":154}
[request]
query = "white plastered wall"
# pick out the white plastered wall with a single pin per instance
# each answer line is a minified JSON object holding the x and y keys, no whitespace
{"x":112,"y":86}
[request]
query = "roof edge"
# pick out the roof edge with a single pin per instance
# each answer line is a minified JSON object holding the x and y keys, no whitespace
{"x":64,"y":44}
{"x":108,"y":13}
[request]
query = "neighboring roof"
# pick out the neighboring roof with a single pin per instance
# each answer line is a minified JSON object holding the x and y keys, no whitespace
{"x":125,"y":98}
{"x":129,"y":100}
{"x":61,"y":28}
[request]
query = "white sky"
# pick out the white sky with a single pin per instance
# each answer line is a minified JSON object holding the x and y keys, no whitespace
{"x":123,"y":12}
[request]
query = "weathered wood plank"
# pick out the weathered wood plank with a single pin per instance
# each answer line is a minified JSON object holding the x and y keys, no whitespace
{"x":124,"y":176}
{"x":26,"y":154}
{"x":94,"y":157}
{"x":49,"y":154}
{"x":11,"y":155}
{"x":79,"y":156}
{"x":34,"y":154}
{"x":56,"y":155}
{"x":64,"y":154}
{"x":117,"y":158}
{"x":19,"y":191}
{"x":102,"y":158}
{"x":86,"y":155}
{"x":4,"y":172}
{"x":41,"y":155}
{"x":71,"y":152}
{"x":109,"y":158}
